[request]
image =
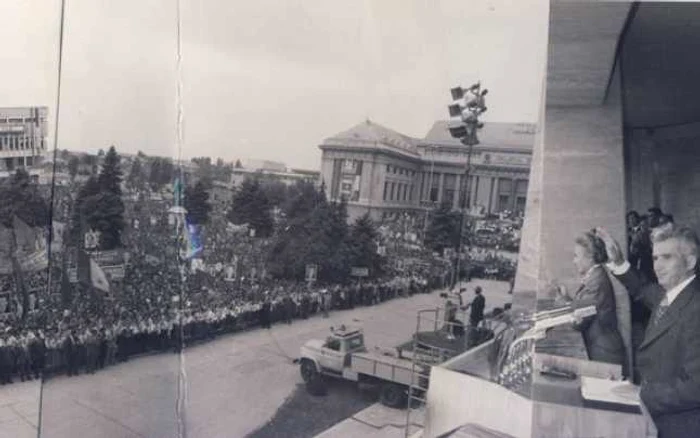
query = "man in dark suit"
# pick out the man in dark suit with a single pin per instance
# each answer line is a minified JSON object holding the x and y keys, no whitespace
{"x":477,"y":311}
{"x":668,"y":359}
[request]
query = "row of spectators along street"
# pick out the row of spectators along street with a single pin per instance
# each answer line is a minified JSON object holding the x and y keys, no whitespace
{"x":158,"y":307}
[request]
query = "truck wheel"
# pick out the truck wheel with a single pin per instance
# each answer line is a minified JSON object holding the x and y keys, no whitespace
{"x":317,"y":386}
{"x":308,"y":370}
{"x":393,"y":395}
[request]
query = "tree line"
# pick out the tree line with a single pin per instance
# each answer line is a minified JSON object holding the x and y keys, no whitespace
{"x":300,"y":224}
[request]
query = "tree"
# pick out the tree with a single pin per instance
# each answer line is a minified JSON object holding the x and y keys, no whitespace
{"x":99,"y":204}
{"x":20,"y":196}
{"x":136,"y":177}
{"x":84,"y":201}
{"x":238,"y":164}
{"x":276,"y":192}
{"x":363,"y":245}
{"x":316,"y":233}
{"x":161,"y":172}
{"x":443,"y":229}
{"x":110,"y":178}
{"x":302,"y":199}
{"x":73,"y":166}
{"x":251,"y":206}
{"x":197,"y":203}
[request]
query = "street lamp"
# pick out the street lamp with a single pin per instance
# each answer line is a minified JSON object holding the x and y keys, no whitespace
{"x":467,"y":106}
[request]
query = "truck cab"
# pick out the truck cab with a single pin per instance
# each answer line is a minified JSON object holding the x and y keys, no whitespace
{"x":333,"y":355}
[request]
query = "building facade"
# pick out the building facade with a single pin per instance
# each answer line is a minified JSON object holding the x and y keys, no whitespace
{"x":285,"y":176}
{"x":383,"y":173}
{"x":23,"y":139}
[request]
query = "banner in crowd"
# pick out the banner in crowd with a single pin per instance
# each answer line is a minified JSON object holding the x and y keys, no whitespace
{"x":311,"y":273}
{"x":90,"y":273}
{"x":193,"y":241}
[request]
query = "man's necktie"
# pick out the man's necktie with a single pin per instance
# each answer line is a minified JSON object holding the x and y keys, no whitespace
{"x":661,"y":310}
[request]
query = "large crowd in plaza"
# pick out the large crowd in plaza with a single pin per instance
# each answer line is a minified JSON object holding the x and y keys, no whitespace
{"x":159,"y":306}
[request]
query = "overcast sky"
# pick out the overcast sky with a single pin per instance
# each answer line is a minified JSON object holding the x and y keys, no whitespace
{"x":266,"y":79}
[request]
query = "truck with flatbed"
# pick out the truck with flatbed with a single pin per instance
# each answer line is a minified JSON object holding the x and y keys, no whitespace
{"x":344,"y":355}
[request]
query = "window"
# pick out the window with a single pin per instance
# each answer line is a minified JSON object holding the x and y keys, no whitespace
{"x":448,"y":196}
{"x":356,"y":342}
{"x":433,"y":194}
{"x":388,"y":168}
{"x":505,"y":191}
{"x":503,"y":202}
{"x":333,"y":344}
{"x":405,"y":191}
{"x":391,"y":196}
{"x":386,"y":189}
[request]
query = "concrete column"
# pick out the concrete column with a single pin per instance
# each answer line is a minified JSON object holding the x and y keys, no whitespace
{"x":472,"y":190}
{"x":458,"y":191}
{"x":492,"y":186}
{"x":441,"y":186}
{"x":576,"y":183}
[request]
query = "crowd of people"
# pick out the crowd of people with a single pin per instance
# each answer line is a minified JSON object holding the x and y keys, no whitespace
{"x":162,"y":305}
{"x":148,"y":318}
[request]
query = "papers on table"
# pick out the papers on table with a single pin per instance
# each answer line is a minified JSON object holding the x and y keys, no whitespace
{"x":610,"y":391}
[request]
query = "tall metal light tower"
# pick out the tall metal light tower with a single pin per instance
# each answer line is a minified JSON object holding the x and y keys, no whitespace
{"x":468,"y":105}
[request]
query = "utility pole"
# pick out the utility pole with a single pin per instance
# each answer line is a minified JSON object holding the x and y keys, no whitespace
{"x":468,"y":105}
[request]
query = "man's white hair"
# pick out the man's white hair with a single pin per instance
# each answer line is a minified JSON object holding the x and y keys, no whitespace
{"x":686,"y":237}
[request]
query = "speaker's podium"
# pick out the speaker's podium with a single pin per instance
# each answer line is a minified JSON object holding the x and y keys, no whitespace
{"x":533,"y":379}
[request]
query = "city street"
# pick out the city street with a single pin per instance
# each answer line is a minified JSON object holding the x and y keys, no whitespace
{"x":235,"y":384}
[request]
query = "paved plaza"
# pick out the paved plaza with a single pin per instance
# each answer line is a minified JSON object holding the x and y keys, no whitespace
{"x":234,"y":384}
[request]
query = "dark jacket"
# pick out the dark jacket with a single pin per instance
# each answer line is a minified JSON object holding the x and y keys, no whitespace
{"x":600,"y":332}
{"x":477,"y":311}
{"x":668,"y":359}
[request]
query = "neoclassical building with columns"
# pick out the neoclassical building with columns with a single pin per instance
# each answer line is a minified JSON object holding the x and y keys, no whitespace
{"x":384,"y":172}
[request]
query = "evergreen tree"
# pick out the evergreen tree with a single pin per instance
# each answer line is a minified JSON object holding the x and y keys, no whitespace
{"x":99,"y":205}
{"x":316,"y":233}
{"x":238,"y":164}
{"x":197,"y":203}
{"x":363,"y":243}
{"x":84,"y":203}
{"x":443,"y":229}
{"x":110,"y":178}
{"x":251,"y":206}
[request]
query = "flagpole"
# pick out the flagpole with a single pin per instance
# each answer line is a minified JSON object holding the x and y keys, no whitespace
{"x":53,"y":183}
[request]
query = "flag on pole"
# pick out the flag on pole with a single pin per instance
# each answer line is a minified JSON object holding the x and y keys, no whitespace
{"x":90,"y":273}
{"x":178,"y":192}
{"x":193,"y":241}
{"x":32,"y":253}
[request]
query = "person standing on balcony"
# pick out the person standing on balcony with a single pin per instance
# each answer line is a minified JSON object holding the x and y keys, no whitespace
{"x":668,"y":359}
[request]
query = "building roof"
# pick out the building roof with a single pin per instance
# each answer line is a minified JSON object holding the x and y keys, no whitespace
{"x":371,"y":135}
{"x":492,"y":135}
